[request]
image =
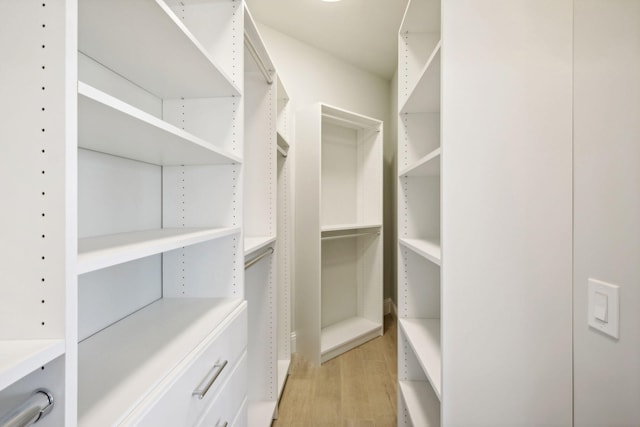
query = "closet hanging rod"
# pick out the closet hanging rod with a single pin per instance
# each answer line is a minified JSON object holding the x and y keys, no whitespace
{"x":37,"y":406}
{"x":256,"y":56}
{"x":343,"y":236}
{"x":252,"y":261}
{"x":282,"y":151}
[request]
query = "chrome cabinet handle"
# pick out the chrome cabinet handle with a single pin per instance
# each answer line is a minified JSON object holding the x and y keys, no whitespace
{"x":208,"y":381}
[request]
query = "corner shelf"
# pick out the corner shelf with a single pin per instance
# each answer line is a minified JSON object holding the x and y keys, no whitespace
{"x":99,"y":252}
{"x":18,"y":358}
{"x":428,"y":165}
{"x":425,"y":95}
{"x":119,"y":365}
{"x":110,"y":126}
{"x":422,"y":407}
{"x":156,"y":55}
{"x":427,"y":248}
{"x":424,"y":337}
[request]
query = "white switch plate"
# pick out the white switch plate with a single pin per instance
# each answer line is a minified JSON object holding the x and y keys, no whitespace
{"x":612,"y":325}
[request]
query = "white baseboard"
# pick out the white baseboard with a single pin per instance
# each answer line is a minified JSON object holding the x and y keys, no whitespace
{"x":390,"y":307}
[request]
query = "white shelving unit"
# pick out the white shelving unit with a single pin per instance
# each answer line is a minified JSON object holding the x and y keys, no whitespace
{"x":266,"y":245}
{"x":285,"y":234}
{"x":123,"y":254}
{"x":420,"y":253}
{"x":338,"y":231}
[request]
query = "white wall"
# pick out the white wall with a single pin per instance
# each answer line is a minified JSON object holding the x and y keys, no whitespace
{"x":607,"y":207}
{"x":507,"y":212}
{"x":311,"y":75}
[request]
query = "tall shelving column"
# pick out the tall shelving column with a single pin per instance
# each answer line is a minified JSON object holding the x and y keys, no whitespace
{"x":419,"y":253}
{"x":37,"y":154}
{"x":285,"y":234}
{"x":262,"y":245}
{"x":159,"y":205}
{"x":338,"y":231}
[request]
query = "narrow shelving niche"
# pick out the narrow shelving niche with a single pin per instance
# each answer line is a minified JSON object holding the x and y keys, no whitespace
{"x":338,"y":231}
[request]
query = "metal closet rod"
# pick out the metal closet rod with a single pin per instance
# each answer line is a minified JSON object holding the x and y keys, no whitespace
{"x":256,"y":56}
{"x":37,"y":406}
{"x":252,"y":261}
{"x":343,"y":236}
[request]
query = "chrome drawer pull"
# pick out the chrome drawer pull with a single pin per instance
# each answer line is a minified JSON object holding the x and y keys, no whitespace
{"x":211,"y":377}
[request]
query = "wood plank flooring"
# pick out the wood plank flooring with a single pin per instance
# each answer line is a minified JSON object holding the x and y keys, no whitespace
{"x":356,"y":389}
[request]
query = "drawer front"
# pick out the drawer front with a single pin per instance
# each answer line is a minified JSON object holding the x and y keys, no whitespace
{"x":242,"y":417}
{"x":226,"y":406}
{"x":206,"y":372}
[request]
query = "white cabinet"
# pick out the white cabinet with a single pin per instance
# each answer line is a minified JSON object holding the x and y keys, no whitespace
{"x":338,"y":231}
{"x":123,"y":253}
{"x":420,"y":255}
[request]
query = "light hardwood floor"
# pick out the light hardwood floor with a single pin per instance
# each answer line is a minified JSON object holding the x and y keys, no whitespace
{"x":358,"y":388}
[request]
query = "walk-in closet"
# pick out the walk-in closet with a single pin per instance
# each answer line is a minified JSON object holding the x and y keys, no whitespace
{"x":301,"y":213}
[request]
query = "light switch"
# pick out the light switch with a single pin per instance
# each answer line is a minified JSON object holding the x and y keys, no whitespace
{"x":604,"y":306}
{"x":600,"y":310}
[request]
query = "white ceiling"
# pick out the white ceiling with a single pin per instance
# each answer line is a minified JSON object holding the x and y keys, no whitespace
{"x":361,"y":32}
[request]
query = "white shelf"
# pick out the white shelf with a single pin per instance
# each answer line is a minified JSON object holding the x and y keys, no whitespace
{"x":108,"y":125}
{"x":148,"y":44}
{"x":425,"y":96}
{"x":253,"y":244}
{"x":427,"y":248}
{"x":428,"y":165}
{"x":283,"y":372}
{"x":346,"y":331}
{"x":119,"y":365}
{"x":348,"y":227}
{"x":424,"y":337}
{"x":18,"y":358}
{"x":340,"y":117}
{"x":99,"y":252}
{"x":261,"y":412}
{"x":283,"y":144}
{"x":423,"y":408}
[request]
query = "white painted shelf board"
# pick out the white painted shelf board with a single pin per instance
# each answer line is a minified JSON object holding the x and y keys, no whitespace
{"x":425,"y":95}
{"x":340,"y":117}
{"x":148,"y":44}
{"x":423,"y":409}
{"x":338,"y":334}
{"x":18,"y":358}
{"x":283,"y":144}
{"x":421,"y":16}
{"x":99,"y":252}
{"x":255,"y":243}
{"x":427,"y":248}
{"x":347,"y":227}
{"x":108,"y":125}
{"x":283,"y":372}
{"x":261,"y":412}
{"x":424,"y":337}
{"x":119,"y":365}
{"x":428,"y":165}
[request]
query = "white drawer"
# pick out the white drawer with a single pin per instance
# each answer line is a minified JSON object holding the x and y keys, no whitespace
{"x":242,"y":417}
{"x":227,"y":406}
{"x":175,"y":404}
